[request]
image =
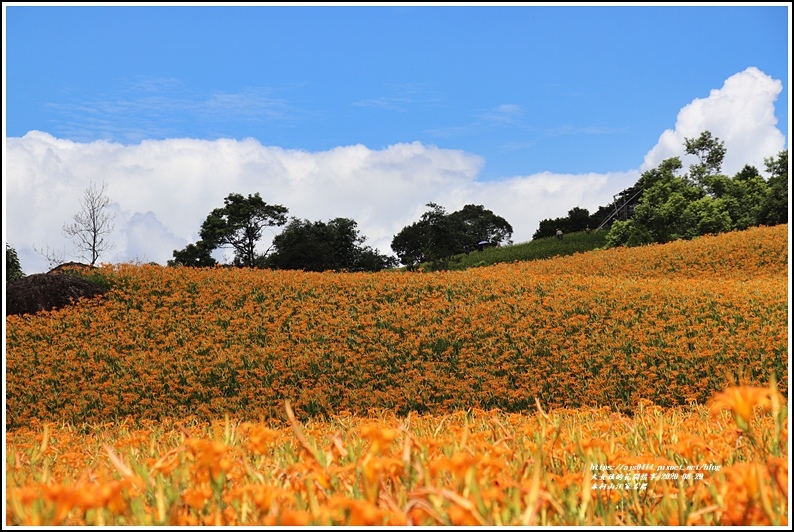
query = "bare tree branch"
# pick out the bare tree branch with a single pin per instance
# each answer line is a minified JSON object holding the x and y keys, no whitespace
{"x":53,"y":256}
{"x":92,"y":225}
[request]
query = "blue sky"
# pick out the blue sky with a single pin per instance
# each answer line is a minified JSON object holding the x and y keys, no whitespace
{"x":369,"y":112}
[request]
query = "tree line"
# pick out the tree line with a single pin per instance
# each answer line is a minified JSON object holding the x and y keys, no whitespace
{"x":664,"y":205}
{"x":337,"y":244}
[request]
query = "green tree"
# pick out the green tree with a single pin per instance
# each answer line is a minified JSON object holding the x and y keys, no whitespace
{"x":665,"y":198}
{"x":627,"y":233}
{"x":438,"y":235}
{"x":577,"y":220}
{"x":411,"y":245}
{"x":429,"y":239}
{"x":711,"y":153}
{"x":475,"y":223}
{"x":744,"y":196}
{"x":705,"y":216}
{"x":441,"y":235}
{"x":774,"y":209}
{"x":13,"y":267}
{"x":195,"y":255}
{"x":239,"y":224}
{"x":320,"y":246}
{"x":547,"y":227}
{"x":703,"y":201}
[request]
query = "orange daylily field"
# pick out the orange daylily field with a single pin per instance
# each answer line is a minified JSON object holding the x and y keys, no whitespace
{"x":630,"y":386}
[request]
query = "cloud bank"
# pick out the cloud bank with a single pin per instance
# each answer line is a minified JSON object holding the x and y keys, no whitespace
{"x":161,"y":191}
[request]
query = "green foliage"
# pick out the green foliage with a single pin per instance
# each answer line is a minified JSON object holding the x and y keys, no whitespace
{"x":639,"y":236}
{"x":196,"y":255}
{"x":703,"y":201}
{"x":744,"y":196}
{"x":774,"y":209}
{"x":705,"y":216}
{"x":578,"y":219}
{"x":410,"y":244}
{"x":13,"y":267}
{"x":437,"y":236}
{"x":665,"y":198}
{"x":239,"y":224}
{"x":103,"y":279}
{"x":619,"y":233}
{"x":537,"y":249}
{"x":319,"y":246}
{"x":711,"y":152}
{"x":474,"y":223}
{"x":627,"y":233}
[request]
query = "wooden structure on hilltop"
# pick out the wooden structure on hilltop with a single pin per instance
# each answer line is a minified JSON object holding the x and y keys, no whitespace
{"x":623,"y":210}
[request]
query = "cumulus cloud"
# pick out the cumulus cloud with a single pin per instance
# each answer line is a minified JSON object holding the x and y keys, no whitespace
{"x":162,"y":190}
{"x":144,"y":234}
{"x":741,"y":114}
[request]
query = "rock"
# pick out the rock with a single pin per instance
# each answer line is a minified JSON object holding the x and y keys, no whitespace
{"x":75,"y":268}
{"x":47,"y":291}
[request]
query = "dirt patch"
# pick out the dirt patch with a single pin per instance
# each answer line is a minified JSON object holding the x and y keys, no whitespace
{"x":47,"y":291}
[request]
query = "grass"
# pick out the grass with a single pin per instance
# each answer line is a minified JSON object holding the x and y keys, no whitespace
{"x":539,"y":249}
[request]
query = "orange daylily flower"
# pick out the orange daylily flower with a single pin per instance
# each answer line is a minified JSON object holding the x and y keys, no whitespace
{"x":742,"y":401}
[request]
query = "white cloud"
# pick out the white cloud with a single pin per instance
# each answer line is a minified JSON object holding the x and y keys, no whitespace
{"x":143,"y":234}
{"x":163,"y":190}
{"x":507,"y":113}
{"x":741,"y":114}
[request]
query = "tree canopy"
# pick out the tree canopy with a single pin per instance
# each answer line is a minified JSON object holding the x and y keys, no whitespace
{"x":703,"y":201}
{"x":197,"y":255}
{"x":238,"y":224}
{"x":320,"y":246}
{"x":578,"y":219}
{"x":668,"y":204}
{"x":13,"y":267}
{"x":775,"y":208}
{"x":438,"y":235}
{"x":304,"y":245}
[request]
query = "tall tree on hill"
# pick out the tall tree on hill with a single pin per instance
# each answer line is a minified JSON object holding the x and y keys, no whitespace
{"x":744,"y":196}
{"x":476,"y":223}
{"x":239,"y":224}
{"x":704,"y":201}
{"x":658,"y":215}
{"x":577,"y":220}
{"x":711,"y":153}
{"x":666,"y":205}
